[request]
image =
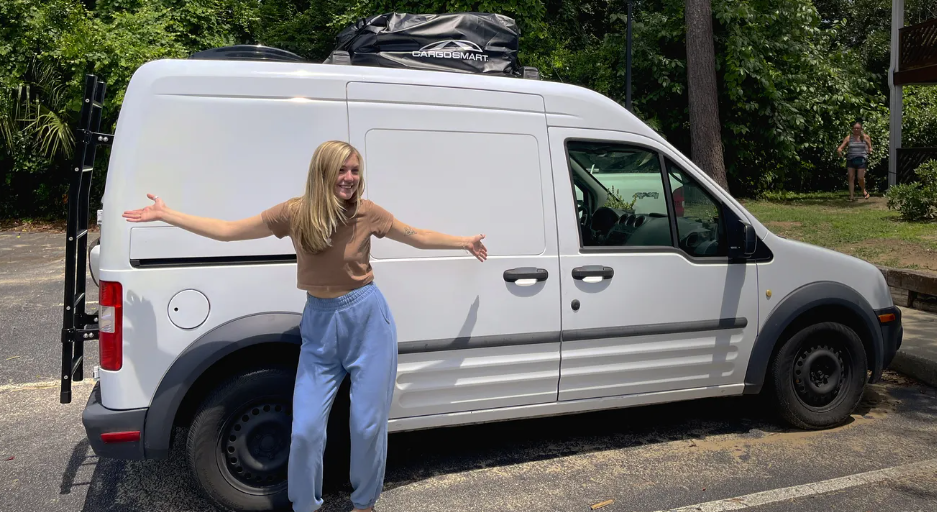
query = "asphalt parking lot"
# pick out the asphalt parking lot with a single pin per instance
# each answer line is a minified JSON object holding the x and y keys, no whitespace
{"x":710,"y":455}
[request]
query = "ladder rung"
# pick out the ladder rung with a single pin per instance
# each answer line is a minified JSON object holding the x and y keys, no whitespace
{"x":81,"y":234}
{"x":97,"y":104}
{"x":87,"y":168}
{"x":78,"y":300}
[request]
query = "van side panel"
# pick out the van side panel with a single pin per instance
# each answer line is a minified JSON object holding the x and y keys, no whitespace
{"x":211,"y":143}
{"x":463,"y":162}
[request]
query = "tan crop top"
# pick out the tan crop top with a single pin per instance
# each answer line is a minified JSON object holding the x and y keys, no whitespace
{"x":345,"y":265}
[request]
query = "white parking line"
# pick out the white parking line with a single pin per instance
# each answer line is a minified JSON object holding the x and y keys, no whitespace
{"x":800,"y":491}
{"x":43,"y":385}
{"x":87,"y":302}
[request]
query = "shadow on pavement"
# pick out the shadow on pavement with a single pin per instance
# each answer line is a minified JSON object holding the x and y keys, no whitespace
{"x":137,"y":486}
{"x":82,"y":455}
{"x":118,"y":486}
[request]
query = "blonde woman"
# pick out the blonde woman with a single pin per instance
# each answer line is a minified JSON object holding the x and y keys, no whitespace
{"x":857,"y":157}
{"x":346,"y":325}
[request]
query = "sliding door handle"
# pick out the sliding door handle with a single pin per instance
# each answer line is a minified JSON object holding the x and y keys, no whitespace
{"x":593,"y":273}
{"x":526,"y":276}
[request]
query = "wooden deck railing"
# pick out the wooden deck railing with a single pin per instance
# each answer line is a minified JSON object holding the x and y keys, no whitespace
{"x":917,"y":55}
{"x":909,"y":159}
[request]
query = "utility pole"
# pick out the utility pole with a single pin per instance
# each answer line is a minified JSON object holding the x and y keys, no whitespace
{"x":895,"y":96}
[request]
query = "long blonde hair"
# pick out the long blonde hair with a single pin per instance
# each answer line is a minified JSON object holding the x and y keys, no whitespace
{"x":317,"y":214}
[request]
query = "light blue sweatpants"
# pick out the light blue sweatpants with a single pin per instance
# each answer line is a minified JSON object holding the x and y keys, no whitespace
{"x":356,"y":334}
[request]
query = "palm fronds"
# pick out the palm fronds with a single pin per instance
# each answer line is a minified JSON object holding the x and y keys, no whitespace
{"x":35,"y":113}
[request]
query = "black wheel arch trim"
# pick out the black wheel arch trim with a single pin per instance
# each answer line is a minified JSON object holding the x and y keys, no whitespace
{"x":208,"y":349}
{"x":799,"y":302}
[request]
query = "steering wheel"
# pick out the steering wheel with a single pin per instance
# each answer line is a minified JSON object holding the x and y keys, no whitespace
{"x":585,"y":220}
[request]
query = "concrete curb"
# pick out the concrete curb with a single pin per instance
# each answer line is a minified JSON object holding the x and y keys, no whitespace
{"x":913,"y":289}
{"x":914,"y":366}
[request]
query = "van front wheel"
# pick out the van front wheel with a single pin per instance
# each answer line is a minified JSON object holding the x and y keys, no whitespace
{"x":238,"y":444}
{"x":818,"y":376}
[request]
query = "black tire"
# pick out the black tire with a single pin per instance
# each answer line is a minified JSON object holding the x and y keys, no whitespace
{"x":818,"y":376}
{"x":238,"y":444}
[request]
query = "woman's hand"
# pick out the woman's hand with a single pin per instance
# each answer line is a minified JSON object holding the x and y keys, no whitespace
{"x":222,"y":230}
{"x":426,"y":239}
{"x":475,"y":246}
{"x":150,"y":213}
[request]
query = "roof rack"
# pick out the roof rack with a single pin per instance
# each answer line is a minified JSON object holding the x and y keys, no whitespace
{"x":247,"y":52}
{"x":343,"y":58}
{"x":268,"y":53}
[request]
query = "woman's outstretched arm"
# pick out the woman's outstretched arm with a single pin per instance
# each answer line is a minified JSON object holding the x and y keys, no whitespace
{"x":842,"y":146}
{"x":426,"y":239}
{"x":223,"y":230}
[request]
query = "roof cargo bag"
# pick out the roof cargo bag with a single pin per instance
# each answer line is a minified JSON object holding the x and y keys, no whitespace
{"x":462,"y":42}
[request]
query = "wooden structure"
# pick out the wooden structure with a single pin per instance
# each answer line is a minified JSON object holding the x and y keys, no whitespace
{"x":913,"y":62}
{"x":917,"y":54}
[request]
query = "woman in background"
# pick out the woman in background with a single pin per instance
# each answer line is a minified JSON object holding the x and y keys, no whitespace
{"x":858,"y":147}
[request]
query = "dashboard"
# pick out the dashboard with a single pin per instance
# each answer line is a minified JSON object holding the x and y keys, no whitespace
{"x":612,"y":228}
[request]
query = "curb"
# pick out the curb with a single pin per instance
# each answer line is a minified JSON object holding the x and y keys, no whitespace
{"x":912,"y":289}
{"x":916,"y":367}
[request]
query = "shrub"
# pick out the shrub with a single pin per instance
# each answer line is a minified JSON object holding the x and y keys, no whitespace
{"x":916,"y":201}
{"x":615,"y":201}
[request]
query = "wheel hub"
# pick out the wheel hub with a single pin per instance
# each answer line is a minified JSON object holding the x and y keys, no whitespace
{"x":819,"y":374}
{"x":255,"y":447}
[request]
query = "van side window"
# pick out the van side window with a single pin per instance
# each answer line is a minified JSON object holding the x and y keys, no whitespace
{"x":700,"y":225}
{"x":628,"y":206}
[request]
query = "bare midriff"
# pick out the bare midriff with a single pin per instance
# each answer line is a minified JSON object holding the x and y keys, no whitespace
{"x":326,"y":292}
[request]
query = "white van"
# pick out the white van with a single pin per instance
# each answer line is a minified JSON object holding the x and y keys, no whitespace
{"x":662,"y":289}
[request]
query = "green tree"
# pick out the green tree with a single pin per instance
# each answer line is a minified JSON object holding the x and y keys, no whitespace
{"x":791,"y":75}
{"x":48,"y":47}
{"x":705,"y":130}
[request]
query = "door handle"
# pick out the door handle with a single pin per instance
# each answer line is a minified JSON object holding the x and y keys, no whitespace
{"x":526,"y":276}
{"x":593,"y":273}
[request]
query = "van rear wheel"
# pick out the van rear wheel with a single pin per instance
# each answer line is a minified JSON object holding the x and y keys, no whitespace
{"x":238,"y":444}
{"x":818,"y":376}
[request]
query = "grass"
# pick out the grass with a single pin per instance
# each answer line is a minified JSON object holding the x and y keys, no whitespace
{"x":864,"y":228}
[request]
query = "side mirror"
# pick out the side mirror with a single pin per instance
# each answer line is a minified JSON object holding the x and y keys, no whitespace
{"x":751,"y":240}
{"x":744,"y":242}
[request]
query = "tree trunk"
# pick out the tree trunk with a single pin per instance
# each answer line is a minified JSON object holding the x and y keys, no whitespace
{"x":705,"y":130}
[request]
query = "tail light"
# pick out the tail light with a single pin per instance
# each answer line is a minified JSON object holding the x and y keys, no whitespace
{"x":110,"y":326}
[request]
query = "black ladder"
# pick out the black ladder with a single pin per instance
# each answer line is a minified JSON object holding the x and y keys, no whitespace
{"x":78,"y":325}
